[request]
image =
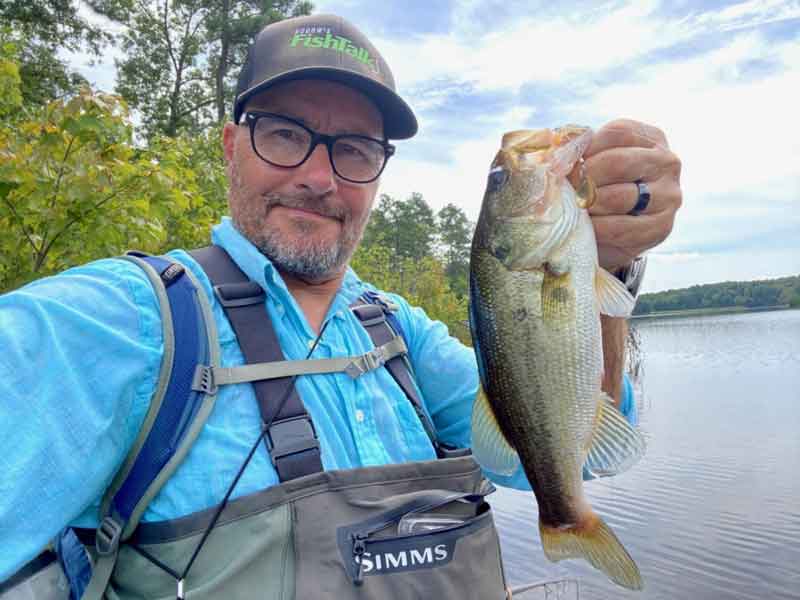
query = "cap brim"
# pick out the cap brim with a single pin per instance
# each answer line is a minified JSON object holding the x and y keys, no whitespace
{"x":399,"y":122}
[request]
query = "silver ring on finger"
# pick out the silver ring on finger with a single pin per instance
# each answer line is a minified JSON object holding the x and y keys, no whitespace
{"x":642,"y":200}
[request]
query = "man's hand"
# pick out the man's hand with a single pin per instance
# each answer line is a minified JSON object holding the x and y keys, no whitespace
{"x":622,"y":152}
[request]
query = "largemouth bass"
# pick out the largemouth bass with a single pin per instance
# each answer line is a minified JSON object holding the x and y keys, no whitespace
{"x":536,"y":294}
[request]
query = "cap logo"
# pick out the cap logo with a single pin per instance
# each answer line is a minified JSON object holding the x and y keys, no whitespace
{"x":307,"y":37}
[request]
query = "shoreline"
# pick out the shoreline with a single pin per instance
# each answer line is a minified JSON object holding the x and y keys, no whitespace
{"x":688,"y":312}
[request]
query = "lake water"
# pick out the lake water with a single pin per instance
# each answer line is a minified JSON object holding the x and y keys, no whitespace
{"x":713,"y":510}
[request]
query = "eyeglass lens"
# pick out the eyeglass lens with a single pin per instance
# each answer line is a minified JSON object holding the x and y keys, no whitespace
{"x":286,"y":144}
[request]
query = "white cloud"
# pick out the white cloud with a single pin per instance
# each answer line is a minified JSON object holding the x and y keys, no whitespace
{"x":736,"y":132}
{"x":674,"y":257}
{"x":729,"y":132}
{"x":750,"y":14}
{"x":736,"y":139}
{"x":537,"y":48}
{"x":532,"y":49}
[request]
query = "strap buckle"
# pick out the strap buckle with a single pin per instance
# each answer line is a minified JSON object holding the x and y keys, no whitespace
{"x":239,"y":294}
{"x":291,"y":436}
{"x":385,"y":302}
{"x":369,"y":314}
{"x":107,"y":536}
{"x":203,"y":380}
{"x":367,"y":362}
{"x":447,"y":451}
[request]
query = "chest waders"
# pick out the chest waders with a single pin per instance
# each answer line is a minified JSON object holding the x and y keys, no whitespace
{"x":410,"y":530}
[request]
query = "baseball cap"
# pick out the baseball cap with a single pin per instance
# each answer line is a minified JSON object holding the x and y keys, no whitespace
{"x":323,"y":47}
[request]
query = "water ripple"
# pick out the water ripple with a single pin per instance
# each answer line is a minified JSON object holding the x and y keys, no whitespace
{"x":713,"y":510}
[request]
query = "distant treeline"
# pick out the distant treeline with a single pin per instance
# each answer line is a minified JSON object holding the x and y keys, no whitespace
{"x":745,"y":294}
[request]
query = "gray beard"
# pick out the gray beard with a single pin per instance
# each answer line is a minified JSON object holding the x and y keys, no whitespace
{"x":304,"y":260}
{"x":300,"y":257}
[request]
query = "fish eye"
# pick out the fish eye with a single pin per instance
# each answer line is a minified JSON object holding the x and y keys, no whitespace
{"x":498,"y":177}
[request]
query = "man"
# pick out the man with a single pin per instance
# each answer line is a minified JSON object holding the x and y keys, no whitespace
{"x":82,"y":351}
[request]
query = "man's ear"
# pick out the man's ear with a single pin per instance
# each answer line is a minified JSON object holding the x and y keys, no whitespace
{"x":229,"y":132}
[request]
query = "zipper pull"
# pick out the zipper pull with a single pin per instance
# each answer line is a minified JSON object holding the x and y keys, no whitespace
{"x":180,"y":595}
{"x":359,"y":548}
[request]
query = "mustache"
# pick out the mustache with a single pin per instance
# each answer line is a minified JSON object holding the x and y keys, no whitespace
{"x":316,"y":204}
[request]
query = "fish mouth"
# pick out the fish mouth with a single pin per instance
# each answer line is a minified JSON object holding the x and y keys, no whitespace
{"x":518,"y":160}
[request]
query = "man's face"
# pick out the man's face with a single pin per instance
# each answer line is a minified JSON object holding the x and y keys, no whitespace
{"x":305,"y":219}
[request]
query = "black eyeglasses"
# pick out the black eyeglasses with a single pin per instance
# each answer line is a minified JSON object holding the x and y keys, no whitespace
{"x":285,"y":142}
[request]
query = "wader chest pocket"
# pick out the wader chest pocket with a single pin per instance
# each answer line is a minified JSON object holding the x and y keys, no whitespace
{"x":432,"y":548}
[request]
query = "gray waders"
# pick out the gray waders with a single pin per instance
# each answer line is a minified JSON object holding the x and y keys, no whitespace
{"x":412,"y":530}
{"x":350,"y":534}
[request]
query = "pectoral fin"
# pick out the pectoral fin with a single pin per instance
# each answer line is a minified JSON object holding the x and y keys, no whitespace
{"x":489,"y":446}
{"x":616,"y":446}
{"x":614,"y":298}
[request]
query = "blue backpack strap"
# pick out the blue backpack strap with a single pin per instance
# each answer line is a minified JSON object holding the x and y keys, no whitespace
{"x":176,"y":415}
{"x":377,"y":315}
{"x":74,"y":561}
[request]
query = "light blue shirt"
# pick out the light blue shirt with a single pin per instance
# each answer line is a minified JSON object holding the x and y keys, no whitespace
{"x":80,"y":355}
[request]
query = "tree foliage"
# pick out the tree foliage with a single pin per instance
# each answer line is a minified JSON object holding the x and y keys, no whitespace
{"x":422,"y":282}
{"x":73,"y":187}
{"x":201,"y":160}
{"x":455,"y":234}
{"x":411,"y":231}
{"x":10,"y":82}
{"x":40,"y":28}
{"x":424,"y":257}
{"x":745,"y":294}
{"x":181,"y":56}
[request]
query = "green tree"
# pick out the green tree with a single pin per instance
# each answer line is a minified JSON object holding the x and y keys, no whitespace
{"x":40,"y":29}
{"x":73,"y":188}
{"x":230,"y":28}
{"x":455,"y":236}
{"x":201,"y":158}
{"x":180,"y":55}
{"x":422,"y":283}
{"x":406,"y":227}
{"x":398,"y":254}
{"x":750,"y":294}
{"x":10,"y":82}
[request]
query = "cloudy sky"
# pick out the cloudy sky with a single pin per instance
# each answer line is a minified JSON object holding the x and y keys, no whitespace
{"x":722,"y":79}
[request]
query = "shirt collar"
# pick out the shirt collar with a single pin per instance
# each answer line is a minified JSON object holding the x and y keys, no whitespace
{"x":246,"y":256}
{"x":261,"y":270}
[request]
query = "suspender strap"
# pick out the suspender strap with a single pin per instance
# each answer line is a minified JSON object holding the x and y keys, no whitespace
{"x":373,"y":318}
{"x":291,"y":437}
{"x":376,"y":314}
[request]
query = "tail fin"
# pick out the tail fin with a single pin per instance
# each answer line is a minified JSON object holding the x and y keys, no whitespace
{"x":593,"y":541}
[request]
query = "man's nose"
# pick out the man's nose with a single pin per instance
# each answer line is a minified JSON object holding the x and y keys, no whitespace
{"x":316,"y":174}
